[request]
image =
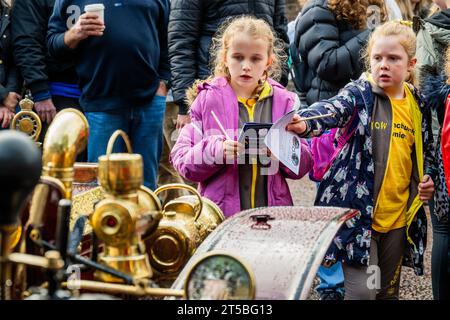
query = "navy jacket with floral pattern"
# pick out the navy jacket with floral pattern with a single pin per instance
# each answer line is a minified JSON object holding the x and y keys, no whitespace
{"x":351,"y":181}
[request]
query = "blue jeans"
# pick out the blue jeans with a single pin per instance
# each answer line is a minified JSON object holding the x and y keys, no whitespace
{"x":144,"y":127}
{"x":440,"y":257}
{"x":331,"y":279}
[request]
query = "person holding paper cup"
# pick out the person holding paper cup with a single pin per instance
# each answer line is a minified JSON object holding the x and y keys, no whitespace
{"x":123,"y":68}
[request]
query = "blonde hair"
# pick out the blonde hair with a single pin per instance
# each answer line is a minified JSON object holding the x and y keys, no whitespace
{"x":406,"y":37}
{"x":409,"y":11}
{"x":257,"y":28}
{"x":406,"y":9}
{"x":355,"y":12}
{"x":434,"y":8}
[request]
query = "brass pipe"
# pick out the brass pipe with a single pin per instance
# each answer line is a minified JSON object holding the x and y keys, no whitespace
{"x":28,"y":259}
{"x":7,"y":237}
{"x":66,"y":137}
{"x":113,"y":288}
{"x":5,"y":266}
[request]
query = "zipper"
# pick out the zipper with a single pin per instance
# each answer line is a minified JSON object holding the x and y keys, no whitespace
{"x":251,"y":117}
{"x":251,"y":112}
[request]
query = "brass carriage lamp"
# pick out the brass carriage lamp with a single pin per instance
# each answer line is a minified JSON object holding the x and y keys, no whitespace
{"x":122,"y":218}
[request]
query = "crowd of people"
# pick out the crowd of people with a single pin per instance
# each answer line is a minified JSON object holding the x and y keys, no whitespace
{"x":377,"y":66}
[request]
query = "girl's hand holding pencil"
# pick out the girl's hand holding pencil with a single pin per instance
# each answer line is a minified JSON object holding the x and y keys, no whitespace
{"x":231,"y":148}
{"x":298,"y":124}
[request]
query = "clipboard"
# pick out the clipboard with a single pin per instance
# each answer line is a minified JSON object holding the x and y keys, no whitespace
{"x":252,"y":134}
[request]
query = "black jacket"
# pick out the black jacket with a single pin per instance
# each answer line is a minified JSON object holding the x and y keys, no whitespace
{"x":434,"y":87}
{"x":192,"y":25}
{"x":29,"y":32}
{"x":9,"y":79}
{"x":330,"y":50}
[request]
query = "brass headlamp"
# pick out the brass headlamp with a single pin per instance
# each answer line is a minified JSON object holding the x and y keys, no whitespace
{"x":128,"y":212}
{"x":186,"y":222}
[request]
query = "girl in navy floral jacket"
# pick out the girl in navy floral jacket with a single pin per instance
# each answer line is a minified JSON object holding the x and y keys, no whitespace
{"x":380,"y":171}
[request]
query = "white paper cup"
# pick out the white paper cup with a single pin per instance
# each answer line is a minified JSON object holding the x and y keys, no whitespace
{"x":96,"y":8}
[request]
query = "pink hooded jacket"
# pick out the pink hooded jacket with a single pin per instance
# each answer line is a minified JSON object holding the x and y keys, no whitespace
{"x":198,"y":152}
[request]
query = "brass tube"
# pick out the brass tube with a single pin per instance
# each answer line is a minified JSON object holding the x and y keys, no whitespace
{"x":5,"y":265}
{"x":65,"y":138}
{"x":28,"y":259}
{"x":113,"y":288}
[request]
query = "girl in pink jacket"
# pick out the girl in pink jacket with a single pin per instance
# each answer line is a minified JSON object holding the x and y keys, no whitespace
{"x":246,"y":58}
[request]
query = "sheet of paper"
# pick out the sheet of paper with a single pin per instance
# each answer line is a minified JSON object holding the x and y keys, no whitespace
{"x":285,"y":145}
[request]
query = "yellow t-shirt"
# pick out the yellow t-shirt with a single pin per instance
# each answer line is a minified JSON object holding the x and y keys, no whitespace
{"x":390,"y":212}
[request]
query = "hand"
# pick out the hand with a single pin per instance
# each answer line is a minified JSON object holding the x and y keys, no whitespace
{"x":162,"y":89}
{"x":426,"y":188}
{"x":6,"y":116}
{"x":182,"y":120}
{"x":46,"y":110}
{"x":297,"y":125}
{"x":232,"y":149}
{"x":327,"y":264}
{"x":89,"y":24}
{"x":11,"y":100}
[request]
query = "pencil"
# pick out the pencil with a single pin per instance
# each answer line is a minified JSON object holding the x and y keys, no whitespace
{"x":220,"y":125}
{"x":318,"y":117}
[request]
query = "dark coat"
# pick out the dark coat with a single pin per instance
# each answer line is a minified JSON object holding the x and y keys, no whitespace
{"x":9,"y":79}
{"x":29,"y":32}
{"x":436,"y":91}
{"x":330,"y":50}
{"x":192,"y":25}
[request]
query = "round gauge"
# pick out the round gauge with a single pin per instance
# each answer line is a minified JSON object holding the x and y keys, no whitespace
{"x":219,"y":276}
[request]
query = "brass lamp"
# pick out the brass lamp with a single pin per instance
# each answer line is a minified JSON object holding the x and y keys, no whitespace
{"x":123,"y":217}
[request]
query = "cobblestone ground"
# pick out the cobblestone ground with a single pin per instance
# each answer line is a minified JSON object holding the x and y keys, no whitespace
{"x":411,"y":287}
